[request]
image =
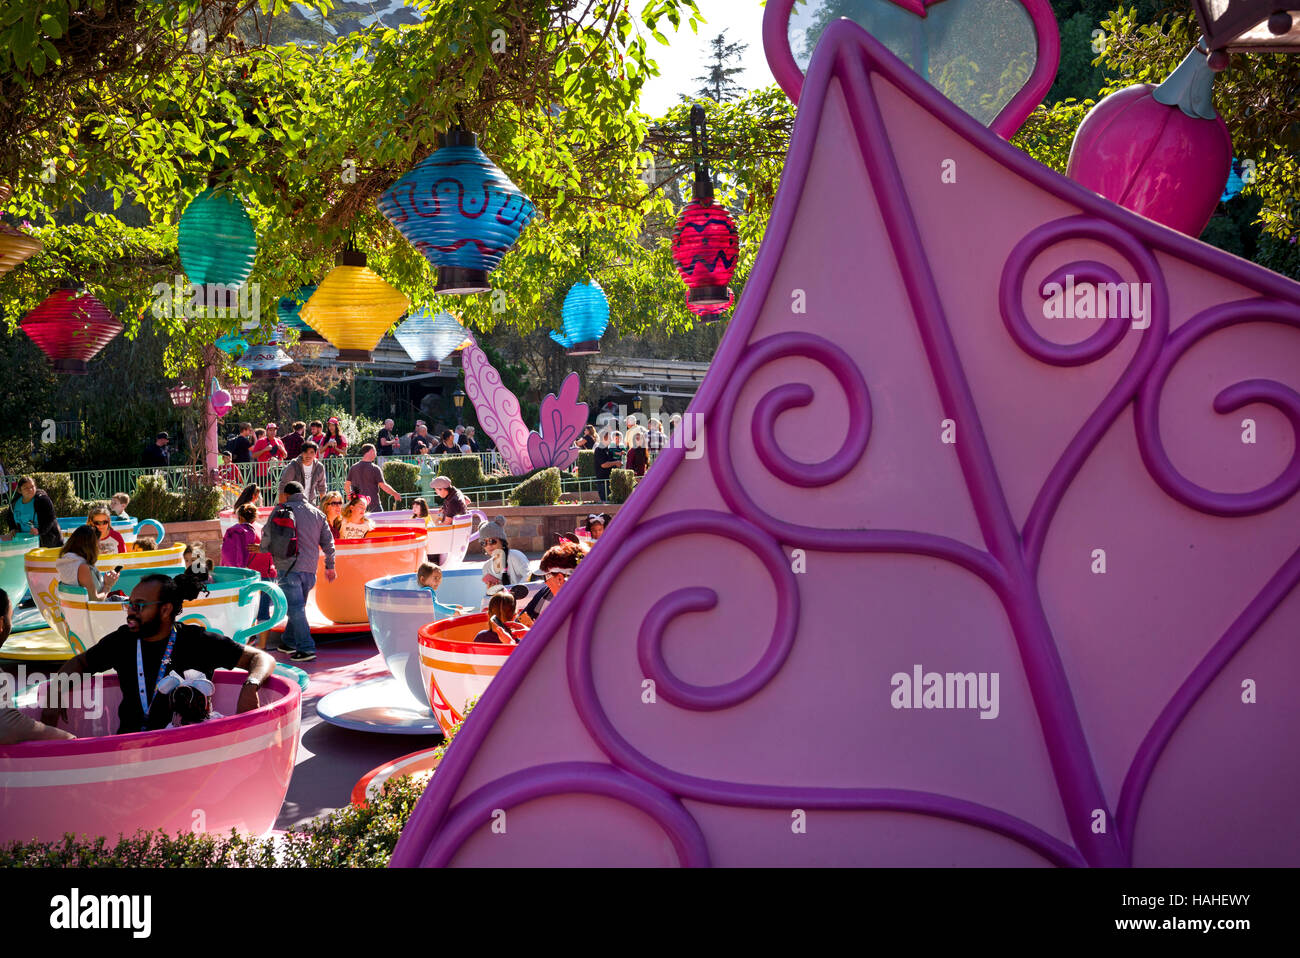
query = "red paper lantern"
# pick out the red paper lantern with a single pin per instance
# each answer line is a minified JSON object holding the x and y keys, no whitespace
{"x":705,"y":242}
{"x":239,"y":394}
{"x":182,"y":395}
{"x":71,"y":327}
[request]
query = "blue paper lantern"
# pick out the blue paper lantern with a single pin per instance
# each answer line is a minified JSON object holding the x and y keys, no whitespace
{"x":586,"y":317}
{"x":265,"y":362}
{"x":460,"y":211}
{"x":429,"y":338}
{"x":1235,"y":183}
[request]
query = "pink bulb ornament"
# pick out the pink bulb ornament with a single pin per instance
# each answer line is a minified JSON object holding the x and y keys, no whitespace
{"x":1160,"y":151}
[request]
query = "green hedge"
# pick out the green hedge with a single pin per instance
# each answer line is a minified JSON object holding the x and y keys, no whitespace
{"x":587,"y":463}
{"x":402,"y":476}
{"x":62,"y":493}
{"x":463,"y":471}
{"x":542,"y":489}
{"x":621,"y":484}
{"x":153,"y":500}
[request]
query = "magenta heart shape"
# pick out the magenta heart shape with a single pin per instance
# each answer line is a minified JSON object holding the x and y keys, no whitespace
{"x":781,"y":59}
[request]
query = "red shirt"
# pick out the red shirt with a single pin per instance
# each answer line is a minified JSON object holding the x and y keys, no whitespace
{"x":114,"y":544}
{"x":265,"y":449}
{"x":339,"y":447}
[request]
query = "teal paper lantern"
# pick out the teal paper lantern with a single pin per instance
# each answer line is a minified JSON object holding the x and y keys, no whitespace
{"x":265,"y":362}
{"x":216,"y":239}
{"x":232,"y":344}
{"x":586,"y":317}
{"x":289,"y":307}
{"x":429,"y":338}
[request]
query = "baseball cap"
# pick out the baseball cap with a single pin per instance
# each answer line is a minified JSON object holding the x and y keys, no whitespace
{"x":163,"y":435}
{"x":271,"y":425}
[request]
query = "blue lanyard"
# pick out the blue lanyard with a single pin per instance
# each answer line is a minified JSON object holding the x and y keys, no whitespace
{"x":162,"y":671}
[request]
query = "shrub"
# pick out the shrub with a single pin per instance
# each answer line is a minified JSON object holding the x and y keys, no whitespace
{"x":464,"y":471}
{"x":402,"y":476}
{"x":543,"y":489}
{"x":350,"y":837}
{"x":153,"y":500}
{"x":621,"y":484}
{"x":587,"y":463}
{"x":62,"y":494}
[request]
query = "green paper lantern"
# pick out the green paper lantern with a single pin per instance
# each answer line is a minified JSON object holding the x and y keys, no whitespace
{"x":216,"y":239}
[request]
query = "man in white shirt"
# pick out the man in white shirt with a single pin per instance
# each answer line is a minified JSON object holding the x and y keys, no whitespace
{"x":307,"y":471}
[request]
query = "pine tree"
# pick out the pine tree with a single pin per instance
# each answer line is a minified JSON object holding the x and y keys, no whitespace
{"x":717,"y":80}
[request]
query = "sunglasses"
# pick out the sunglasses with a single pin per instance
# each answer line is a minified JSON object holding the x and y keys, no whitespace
{"x":101,"y":522}
{"x":492,"y":542}
{"x":562,"y":573}
{"x":134,"y":605}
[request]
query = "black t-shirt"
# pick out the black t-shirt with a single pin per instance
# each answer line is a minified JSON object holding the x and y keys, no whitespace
{"x":239,"y":449}
{"x":385,"y":442}
{"x":195,"y":649}
{"x":420,"y":443}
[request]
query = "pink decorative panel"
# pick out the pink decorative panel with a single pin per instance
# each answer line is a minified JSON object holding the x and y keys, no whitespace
{"x":958,"y":573}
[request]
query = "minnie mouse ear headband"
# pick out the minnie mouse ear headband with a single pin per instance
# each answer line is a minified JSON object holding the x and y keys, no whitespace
{"x":193,"y":679}
{"x":601,"y":517}
{"x":358,"y":497}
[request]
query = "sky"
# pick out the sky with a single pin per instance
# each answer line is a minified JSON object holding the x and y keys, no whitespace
{"x":687,"y":53}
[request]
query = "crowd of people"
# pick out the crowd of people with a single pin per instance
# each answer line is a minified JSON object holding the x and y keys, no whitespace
{"x":633,"y":448}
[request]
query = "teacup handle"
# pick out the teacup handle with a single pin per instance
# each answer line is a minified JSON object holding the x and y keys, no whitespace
{"x":158,"y":539}
{"x":482,"y":518}
{"x":279,"y":609}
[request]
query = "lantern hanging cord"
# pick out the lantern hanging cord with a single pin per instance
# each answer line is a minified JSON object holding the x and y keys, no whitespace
{"x":703,"y":187}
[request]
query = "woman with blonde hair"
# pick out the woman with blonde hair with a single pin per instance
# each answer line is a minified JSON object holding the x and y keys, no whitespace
{"x":76,"y":564}
{"x":332,"y":505}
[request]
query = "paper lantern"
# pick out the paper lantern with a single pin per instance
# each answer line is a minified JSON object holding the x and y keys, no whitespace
{"x":216,"y":239}
{"x":219,"y":401}
{"x":15,"y":246}
{"x":182,"y":395}
{"x":430,"y":338}
{"x":353,"y":307}
{"x":460,"y":211}
{"x":239,"y":393}
{"x":265,"y":362}
{"x":705,"y":248}
{"x":232,"y":344}
{"x":290,"y":306}
{"x":71,"y":327}
{"x":586,"y":316}
{"x":1160,"y":151}
{"x":1235,"y":183}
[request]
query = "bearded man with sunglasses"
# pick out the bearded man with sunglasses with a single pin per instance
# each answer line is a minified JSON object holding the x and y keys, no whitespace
{"x":151,"y":644}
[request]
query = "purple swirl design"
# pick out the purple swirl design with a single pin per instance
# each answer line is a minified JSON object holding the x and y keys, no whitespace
{"x":885,"y":113}
{"x":1275,"y":394}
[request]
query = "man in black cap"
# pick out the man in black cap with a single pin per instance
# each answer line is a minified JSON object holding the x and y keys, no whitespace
{"x":156,"y":453}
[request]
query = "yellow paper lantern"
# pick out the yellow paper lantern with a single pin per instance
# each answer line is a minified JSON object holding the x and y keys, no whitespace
{"x":353,"y":307}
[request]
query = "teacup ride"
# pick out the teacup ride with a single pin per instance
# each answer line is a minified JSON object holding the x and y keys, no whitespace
{"x":227,"y":518}
{"x":42,"y":581}
{"x":13,"y":573}
{"x":340,"y":606}
{"x":128,"y":529}
{"x":230,"y":607}
{"x":451,"y":539}
{"x":417,"y":764}
{"x":455,"y":668}
{"x":221,"y":774}
{"x":396,"y":608}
